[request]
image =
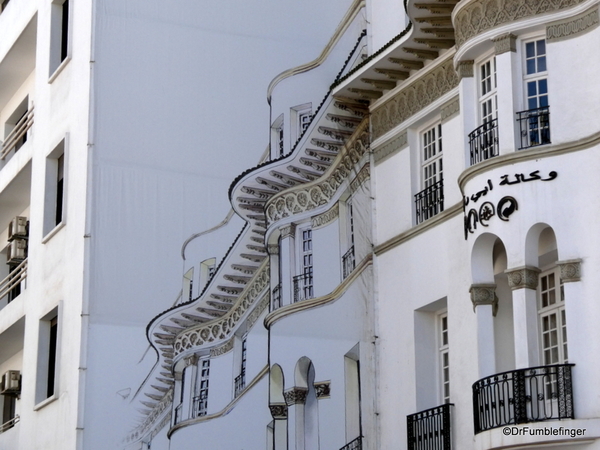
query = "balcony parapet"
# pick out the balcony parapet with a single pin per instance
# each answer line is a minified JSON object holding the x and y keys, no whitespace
{"x":13,"y":279}
{"x":430,"y":429}
{"x":355,"y":444}
{"x":15,"y":137}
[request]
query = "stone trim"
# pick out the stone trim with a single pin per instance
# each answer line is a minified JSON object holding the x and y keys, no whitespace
{"x":570,"y":270}
{"x":149,"y":427}
{"x":525,"y":277}
{"x":222,"y":349}
{"x":288,"y":231}
{"x":450,"y":110}
{"x":465,"y":69}
{"x":391,"y":148}
{"x":505,"y":43}
{"x":279,"y":411}
{"x":295,"y":396}
{"x":478,"y":16}
{"x":254,"y":315}
{"x":413,"y":98}
{"x":327,"y":217}
{"x":323,"y":389}
{"x":364,"y":174}
{"x":191,"y":360}
{"x":573,"y":26}
{"x":484,"y":294}
{"x":273,"y":249}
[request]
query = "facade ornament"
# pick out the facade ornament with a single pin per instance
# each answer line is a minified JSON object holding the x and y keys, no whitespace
{"x":450,"y":110}
{"x":484,"y":294}
{"x":525,"y":277}
{"x":465,"y":69}
{"x":255,"y":314}
{"x":191,"y":360}
{"x":505,"y":43}
{"x":359,"y":179}
{"x":392,"y":147}
{"x":273,"y":249}
{"x":323,"y":389}
{"x":570,"y":270}
{"x":295,"y":396}
{"x":222,"y":349}
{"x":288,"y":231}
{"x":573,"y":26}
{"x":414,"y":97}
{"x":481,"y":15}
{"x":327,"y":217}
{"x":278,"y":411}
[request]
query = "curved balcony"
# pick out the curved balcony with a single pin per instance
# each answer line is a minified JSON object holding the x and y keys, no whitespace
{"x":483,"y":142}
{"x":523,"y":396}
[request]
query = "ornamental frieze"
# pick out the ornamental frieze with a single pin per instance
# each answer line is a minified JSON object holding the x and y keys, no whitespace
{"x":573,"y":26}
{"x":278,"y":410}
{"x":359,"y":179}
{"x":414,"y":98}
{"x":479,"y":16}
{"x":323,"y":389}
{"x":570,"y":270}
{"x":484,"y":294}
{"x":220,"y":329}
{"x":145,"y":428}
{"x":523,"y":278}
{"x":312,"y":195}
{"x":222,"y":349}
{"x":327,"y":217}
{"x":295,"y":396}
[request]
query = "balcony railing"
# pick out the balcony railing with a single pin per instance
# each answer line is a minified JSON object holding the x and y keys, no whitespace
{"x":9,"y":424}
{"x":200,"y":405}
{"x":430,"y":429}
{"x":356,"y":444}
{"x":534,"y":127}
{"x":429,"y":202}
{"x":483,"y":142}
{"x":303,"y":287}
{"x":348,"y":262}
{"x":15,"y":138}
{"x":12,"y":282}
{"x":523,"y":396}
{"x":276,"y":298}
{"x":240,"y":383}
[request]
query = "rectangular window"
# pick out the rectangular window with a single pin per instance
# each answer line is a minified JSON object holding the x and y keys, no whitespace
{"x":201,"y":400}
{"x":553,"y":321}
{"x":16,"y":128}
{"x":59,"y":34}
{"x":277,"y":142}
{"x":55,"y":188}
{"x":488,"y":98}
{"x":349,"y":260}
{"x":483,"y":141}
{"x":303,"y":283}
{"x":444,"y":357}
{"x":430,"y":200}
{"x":47,"y":356}
{"x":240,"y":380}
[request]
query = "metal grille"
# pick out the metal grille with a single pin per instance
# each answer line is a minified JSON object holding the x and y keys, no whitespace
{"x":534,"y":127}
{"x":429,"y":202}
{"x":356,"y":444}
{"x":348,"y":262}
{"x":276,"y":299}
{"x":430,"y":429}
{"x":483,"y":142}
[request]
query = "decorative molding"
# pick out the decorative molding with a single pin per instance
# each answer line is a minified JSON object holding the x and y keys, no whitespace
{"x":323,"y":389}
{"x":484,"y":294}
{"x":570,"y":270}
{"x":505,"y":43}
{"x":414,"y":98}
{"x":278,"y":411}
{"x":219,"y":329}
{"x":295,"y":395}
{"x":479,"y":16}
{"x":328,"y":216}
{"x":359,"y":179}
{"x":309,"y":196}
{"x":222,"y":349}
{"x":255,"y":314}
{"x":573,"y":26}
{"x":191,"y":360}
{"x":465,"y":69}
{"x":149,"y":427}
{"x":273,"y":249}
{"x":391,"y":148}
{"x":450,"y":110}
{"x":288,"y":231}
{"x":525,"y":277}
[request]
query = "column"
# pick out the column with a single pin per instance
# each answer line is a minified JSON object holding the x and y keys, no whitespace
{"x":295,"y":398}
{"x":273,"y":250}
{"x":287,"y":254}
{"x":523,"y":281}
{"x":468,"y":103}
{"x":485,"y":305}
{"x":279,"y":412}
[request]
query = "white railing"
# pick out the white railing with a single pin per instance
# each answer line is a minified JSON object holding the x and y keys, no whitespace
{"x":11,"y":423}
{"x":13,"y":279}
{"x":17,"y":133}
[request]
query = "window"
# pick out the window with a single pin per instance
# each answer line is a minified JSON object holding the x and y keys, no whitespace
{"x":430,"y":201}
{"x":55,"y":188}
{"x":303,"y":283}
{"x":16,"y":128}
{"x":277,"y":142}
{"x":444,"y":357}
{"x":349,"y":260}
{"x":488,"y":99}
{"x":59,"y":37}
{"x":201,"y":400}
{"x":47,"y":356}
{"x":535,"y":121}
{"x":553,"y":321}
{"x":188,"y":286}
{"x":240,"y":380}
{"x":483,"y":141}
{"x":300,"y":117}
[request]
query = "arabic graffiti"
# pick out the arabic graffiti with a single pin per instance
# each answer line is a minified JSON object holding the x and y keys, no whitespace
{"x":504,"y":208}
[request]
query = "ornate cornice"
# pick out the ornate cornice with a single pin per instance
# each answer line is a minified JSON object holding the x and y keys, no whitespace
{"x":414,"y":98}
{"x":278,"y":410}
{"x":505,"y":43}
{"x":191,"y":360}
{"x":150,"y":427}
{"x":288,"y":230}
{"x":222,"y":349}
{"x":465,"y":69}
{"x":218,"y":330}
{"x":523,"y":277}
{"x":573,"y":26}
{"x":392,"y":147}
{"x":273,"y":249}
{"x":295,"y":395}
{"x":311,"y":195}
{"x":327,"y":217}
{"x":359,"y":179}
{"x":255,"y":314}
{"x":570,"y":270}
{"x":478,"y":16}
{"x":323,"y":389}
{"x":450,"y":110}
{"x":484,"y":294}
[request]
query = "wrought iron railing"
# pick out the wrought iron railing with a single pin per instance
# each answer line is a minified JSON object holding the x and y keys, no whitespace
{"x":430,"y":429}
{"x":429,"y":202}
{"x":534,"y":127}
{"x":9,"y":423}
{"x":483,"y":142}
{"x":240,"y":383}
{"x":276,"y":298}
{"x":348,"y":262}
{"x":303,"y":287}
{"x":15,"y":137}
{"x":13,"y":280}
{"x":522,"y":396}
{"x":355,"y":444}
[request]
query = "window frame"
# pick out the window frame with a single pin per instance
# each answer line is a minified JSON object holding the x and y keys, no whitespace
{"x":559,"y":311}
{"x":55,"y":189}
{"x":443,"y":359}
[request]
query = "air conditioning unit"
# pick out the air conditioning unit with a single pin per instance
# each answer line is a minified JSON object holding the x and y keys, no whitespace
{"x":11,"y":383}
{"x":16,"y":251}
{"x":17,"y":228}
